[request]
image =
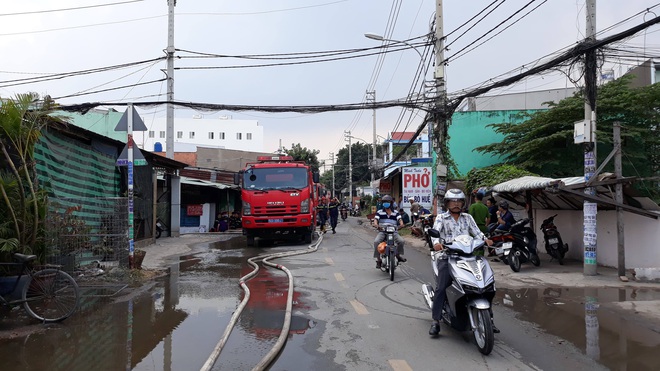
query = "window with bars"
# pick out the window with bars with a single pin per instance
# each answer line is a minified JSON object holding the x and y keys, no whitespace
{"x":162,"y":134}
{"x":191,"y":135}
{"x":210,"y":135}
{"x":239,"y":136}
{"x":151,"y":133}
{"x":179,"y":134}
{"x":221,"y":135}
{"x":248,"y":136}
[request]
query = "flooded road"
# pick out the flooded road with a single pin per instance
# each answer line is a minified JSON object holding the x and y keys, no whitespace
{"x":175,"y":322}
{"x":592,"y":320}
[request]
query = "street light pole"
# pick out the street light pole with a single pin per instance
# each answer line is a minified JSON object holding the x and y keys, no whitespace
{"x":350,"y":167}
{"x":332,"y":157}
{"x":371,"y":97}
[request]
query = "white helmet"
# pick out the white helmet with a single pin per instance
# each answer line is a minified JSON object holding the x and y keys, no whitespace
{"x":454,"y":195}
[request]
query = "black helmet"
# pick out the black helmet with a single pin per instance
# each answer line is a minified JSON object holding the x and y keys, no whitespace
{"x":387,"y":198}
{"x":504,"y":205}
{"x":454,"y":195}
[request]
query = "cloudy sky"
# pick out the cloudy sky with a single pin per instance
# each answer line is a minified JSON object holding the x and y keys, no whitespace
{"x":40,"y":37}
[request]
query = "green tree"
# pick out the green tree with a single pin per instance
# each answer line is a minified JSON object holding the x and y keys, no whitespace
{"x":300,"y":153}
{"x":543,"y":144}
{"x":22,"y":120}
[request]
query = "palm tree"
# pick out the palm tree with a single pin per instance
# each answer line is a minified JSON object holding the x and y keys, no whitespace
{"x":22,"y":120}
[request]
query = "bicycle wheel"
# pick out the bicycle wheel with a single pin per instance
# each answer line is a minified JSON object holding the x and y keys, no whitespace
{"x":51,"y":295}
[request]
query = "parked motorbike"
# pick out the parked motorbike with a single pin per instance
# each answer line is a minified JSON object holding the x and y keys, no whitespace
{"x":160,"y":227}
{"x":388,"y":250}
{"x":554,"y":245}
{"x":343,"y":211}
{"x":470,"y":296}
{"x":517,"y":245}
{"x":427,"y":221}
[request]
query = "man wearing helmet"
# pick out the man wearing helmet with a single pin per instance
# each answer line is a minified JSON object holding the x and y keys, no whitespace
{"x":388,"y":215}
{"x":450,"y":224}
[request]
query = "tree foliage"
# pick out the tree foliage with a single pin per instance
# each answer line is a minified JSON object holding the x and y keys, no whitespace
{"x":300,"y":153}
{"x":361,"y":156}
{"x":543,"y":144}
{"x":22,"y":120}
{"x":492,"y":175}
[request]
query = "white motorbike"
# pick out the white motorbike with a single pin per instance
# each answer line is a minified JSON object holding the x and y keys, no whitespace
{"x":470,"y":295}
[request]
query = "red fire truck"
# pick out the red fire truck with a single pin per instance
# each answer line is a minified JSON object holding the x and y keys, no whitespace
{"x":279,"y":200}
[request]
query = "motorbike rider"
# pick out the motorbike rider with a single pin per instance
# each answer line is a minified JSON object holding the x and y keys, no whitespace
{"x":387,"y":213}
{"x":450,"y":224}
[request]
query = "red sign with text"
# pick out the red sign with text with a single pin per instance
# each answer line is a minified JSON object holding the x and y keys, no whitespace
{"x":194,"y":210}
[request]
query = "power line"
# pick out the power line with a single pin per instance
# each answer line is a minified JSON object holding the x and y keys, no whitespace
{"x":68,"y":9}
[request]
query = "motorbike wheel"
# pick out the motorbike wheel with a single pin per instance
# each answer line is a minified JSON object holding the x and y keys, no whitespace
{"x":158,"y":232}
{"x":535,"y":260}
{"x":514,"y":261}
{"x":560,"y":258}
{"x":483,"y":334}
{"x":392,"y":261}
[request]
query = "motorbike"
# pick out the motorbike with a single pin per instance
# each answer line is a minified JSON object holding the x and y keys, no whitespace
{"x":516,"y":246}
{"x":554,"y":245}
{"x":388,"y":250}
{"x":470,"y":295}
{"x":160,"y":227}
{"x":427,"y":221}
{"x":343,"y":211}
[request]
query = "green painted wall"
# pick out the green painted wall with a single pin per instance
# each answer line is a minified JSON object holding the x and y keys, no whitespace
{"x":469,"y":130}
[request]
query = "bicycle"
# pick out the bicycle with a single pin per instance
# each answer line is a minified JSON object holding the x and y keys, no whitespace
{"x":48,"y":294}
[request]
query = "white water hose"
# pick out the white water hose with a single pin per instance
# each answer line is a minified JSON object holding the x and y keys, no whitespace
{"x":287,"y":317}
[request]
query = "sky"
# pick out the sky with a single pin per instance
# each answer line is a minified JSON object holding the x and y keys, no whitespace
{"x":40,"y":37}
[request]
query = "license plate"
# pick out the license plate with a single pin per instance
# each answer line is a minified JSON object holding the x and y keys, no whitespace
{"x":275,"y":220}
{"x":507,"y":245}
{"x":553,"y":240}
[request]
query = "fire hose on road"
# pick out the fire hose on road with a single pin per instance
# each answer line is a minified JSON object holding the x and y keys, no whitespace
{"x":266,"y":360}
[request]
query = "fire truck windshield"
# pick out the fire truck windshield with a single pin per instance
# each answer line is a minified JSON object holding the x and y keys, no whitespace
{"x":275,"y":178}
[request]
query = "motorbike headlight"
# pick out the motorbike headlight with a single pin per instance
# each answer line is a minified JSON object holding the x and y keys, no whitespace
{"x":247,"y":208}
{"x":526,"y":240}
{"x":304,"y":206}
{"x":390,"y":229}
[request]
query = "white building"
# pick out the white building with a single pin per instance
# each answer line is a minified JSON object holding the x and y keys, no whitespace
{"x":221,"y":132}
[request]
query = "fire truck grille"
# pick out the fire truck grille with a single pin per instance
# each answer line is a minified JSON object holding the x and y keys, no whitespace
{"x":276,"y":210}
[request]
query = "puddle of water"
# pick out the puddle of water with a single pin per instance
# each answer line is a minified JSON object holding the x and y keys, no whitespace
{"x":594,"y":321}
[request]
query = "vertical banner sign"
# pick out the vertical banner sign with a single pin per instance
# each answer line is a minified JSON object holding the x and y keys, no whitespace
{"x":590,"y":210}
{"x":417,"y":183}
{"x":128,"y":122}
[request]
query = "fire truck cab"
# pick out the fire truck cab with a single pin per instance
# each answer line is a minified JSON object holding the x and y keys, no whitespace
{"x":279,"y":200}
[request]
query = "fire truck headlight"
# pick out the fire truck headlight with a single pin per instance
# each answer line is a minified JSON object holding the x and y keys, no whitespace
{"x":247,"y":208}
{"x":304,"y":206}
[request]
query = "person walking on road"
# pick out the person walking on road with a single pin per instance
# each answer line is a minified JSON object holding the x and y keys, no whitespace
{"x":333,"y":211}
{"x":323,"y":213}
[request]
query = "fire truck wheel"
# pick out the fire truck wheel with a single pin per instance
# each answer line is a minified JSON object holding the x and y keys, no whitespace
{"x":250,"y":240}
{"x":308,"y":237}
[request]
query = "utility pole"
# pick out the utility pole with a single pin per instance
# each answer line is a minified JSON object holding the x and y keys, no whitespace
{"x":371,"y":97}
{"x":590,"y":209}
{"x":441,"y":114}
{"x":332,"y":157}
{"x":169,"y":135}
{"x":350,"y":166}
{"x":618,"y":171}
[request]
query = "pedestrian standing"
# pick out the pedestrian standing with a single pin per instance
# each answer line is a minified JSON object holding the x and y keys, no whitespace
{"x":323,"y":213}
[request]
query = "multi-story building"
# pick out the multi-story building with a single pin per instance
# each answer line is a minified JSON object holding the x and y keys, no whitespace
{"x":222,"y":132}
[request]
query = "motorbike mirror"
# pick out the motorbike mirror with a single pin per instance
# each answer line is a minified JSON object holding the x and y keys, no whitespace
{"x":434,"y":233}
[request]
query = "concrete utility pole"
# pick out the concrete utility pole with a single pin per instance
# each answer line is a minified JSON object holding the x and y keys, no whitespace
{"x":590,"y":209}
{"x":169,"y":135}
{"x":618,"y":171}
{"x":332,"y":157}
{"x":371,"y":97}
{"x":441,"y":90}
{"x":350,"y":166}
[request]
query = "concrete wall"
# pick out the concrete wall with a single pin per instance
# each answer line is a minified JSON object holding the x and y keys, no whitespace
{"x":641,"y":237}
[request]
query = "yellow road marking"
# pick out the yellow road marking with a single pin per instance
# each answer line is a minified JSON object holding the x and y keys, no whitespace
{"x":359,"y":308}
{"x":339,"y":277}
{"x":399,"y":365}
{"x":329,"y":261}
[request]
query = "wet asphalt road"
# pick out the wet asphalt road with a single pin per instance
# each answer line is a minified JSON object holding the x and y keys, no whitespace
{"x":346,"y":316}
